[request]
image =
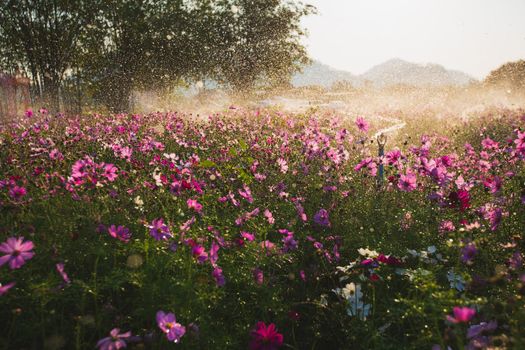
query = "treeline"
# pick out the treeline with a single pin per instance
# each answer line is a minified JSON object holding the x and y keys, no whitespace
{"x":510,"y":75}
{"x":105,"y":49}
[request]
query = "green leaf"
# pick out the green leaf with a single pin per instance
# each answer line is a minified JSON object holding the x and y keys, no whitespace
{"x":207,"y":164}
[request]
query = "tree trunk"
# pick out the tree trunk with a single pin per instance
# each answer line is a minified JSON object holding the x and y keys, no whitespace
{"x":117,"y":94}
{"x":52,"y":93}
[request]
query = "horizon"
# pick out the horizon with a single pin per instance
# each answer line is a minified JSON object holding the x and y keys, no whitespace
{"x":474,"y":37}
{"x":392,"y":59}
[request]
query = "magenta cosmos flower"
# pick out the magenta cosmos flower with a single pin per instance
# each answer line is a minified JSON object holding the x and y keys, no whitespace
{"x":159,"y":230}
{"x":17,"y":252}
{"x":61,"y":270}
{"x":110,"y":172}
{"x":121,"y":233}
{"x":193,"y":204}
{"x":407,"y":182}
{"x":114,"y":341}
{"x":218,"y":276}
{"x":322,"y":218}
{"x":5,"y":288}
{"x":461,"y":314}
{"x":265,"y":337}
{"x":168,"y":324}
{"x":362,"y":124}
{"x":17,"y":192}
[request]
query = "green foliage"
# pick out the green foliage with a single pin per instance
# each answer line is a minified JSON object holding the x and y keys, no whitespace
{"x":103,"y":50}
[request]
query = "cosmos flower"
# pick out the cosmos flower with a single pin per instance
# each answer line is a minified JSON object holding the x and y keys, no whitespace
{"x":159,"y":230}
{"x":168,"y":325}
{"x":322,"y":218}
{"x":17,"y":252}
{"x":250,"y":237}
{"x":218,"y":276}
{"x":115,"y":340}
{"x":461,"y":314}
{"x":62,"y":272}
{"x":283,"y":165}
{"x":193,"y":204}
{"x":17,"y":192}
{"x":110,"y":172}
{"x":56,"y":155}
{"x":268,"y":215}
{"x":121,"y":233}
{"x":213,"y":253}
{"x":468,"y":252}
{"x":362,"y":124}
{"x":265,"y":337}
{"x":477,"y":329}
{"x":246,"y":193}
{"x":199,"y":253}
{"x":258,"y":276}
{"x":4,"y":288}
{"x":289,"y":243}
{"x":446,"y":226}
{"x":407,"y":182}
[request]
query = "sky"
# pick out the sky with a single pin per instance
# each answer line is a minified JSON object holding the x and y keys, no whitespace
{"x":474,"y":36}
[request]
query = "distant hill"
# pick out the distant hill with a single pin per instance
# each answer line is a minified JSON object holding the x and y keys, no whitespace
{"x":321,"y":74}
{"x":391,"y":72}
{"x":396,"y":71}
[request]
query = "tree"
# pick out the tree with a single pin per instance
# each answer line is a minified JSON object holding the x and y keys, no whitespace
{"x":258,"y":42}
{"x":510,"y":75}
{"x":110,"y":48}
{"x":42,"y":37}
{"x":147,"y":45}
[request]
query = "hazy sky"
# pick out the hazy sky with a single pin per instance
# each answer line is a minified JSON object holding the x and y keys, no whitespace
{"x":474,"y":36}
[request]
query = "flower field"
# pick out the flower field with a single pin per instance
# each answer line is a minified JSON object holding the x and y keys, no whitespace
{"x":260,"y":230}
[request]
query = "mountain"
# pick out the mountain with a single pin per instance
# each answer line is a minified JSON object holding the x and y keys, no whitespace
{"x":391,"y":72}
{"x":396,"y":71}
{"x":320,"y":74}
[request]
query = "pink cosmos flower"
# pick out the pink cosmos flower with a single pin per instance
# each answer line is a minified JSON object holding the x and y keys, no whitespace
{"x":110,"y":172}
{"x":62,"y":272}
{"x":5,"y":288}
{"x":126,"y":152}
{"x":289,"y":243}
{"x":258,"y":276}
{"x":322,"y":218}
{"x":494,"y":184}
{"x":213,"y":253}
{"x":461,"y":314}
{"x":250,"y":237}
{"x":407,"y":182}
{"x":446,"y":226}
{"x":55,"y":154}
{"x":265,"y":337}
{"x":17,"y":192}
{"x":17,"y":252}
{"x":78,"y":170}
{"x":283,"y":165}
{"x":193,"y":204}
{"x":121,"y":233}
{"x":362,"y":124}
{"x":114,"y":341}
{"x":246,"y":193}
{"x":159,"y":230}
{"x":168,"y":324}
{"x":268,"y":215}
{"x":199,"y":253}
{"x":28,"y":113}
{"x":218,"y":276}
